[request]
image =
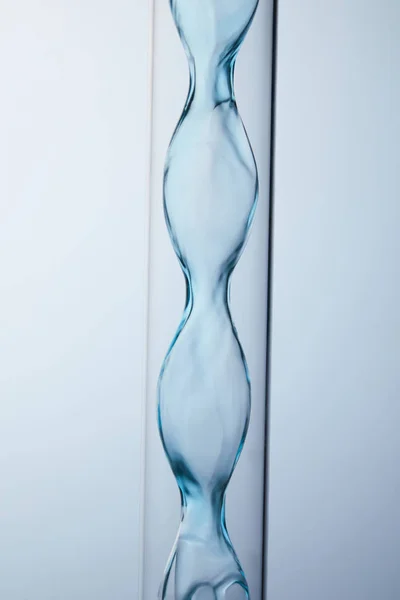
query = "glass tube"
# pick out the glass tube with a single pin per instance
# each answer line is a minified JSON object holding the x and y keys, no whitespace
{"x":211,"y":187}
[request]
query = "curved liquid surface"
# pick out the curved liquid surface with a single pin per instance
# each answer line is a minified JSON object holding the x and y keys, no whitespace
{"x":210,"y":193}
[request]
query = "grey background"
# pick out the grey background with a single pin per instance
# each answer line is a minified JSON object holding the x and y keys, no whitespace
{"x":335,"y":446}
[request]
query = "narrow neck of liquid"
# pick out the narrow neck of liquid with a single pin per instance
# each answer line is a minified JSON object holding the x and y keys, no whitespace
{"x":213,"y":83}
{"x":202,"y":516}
{"x":209,"y":294}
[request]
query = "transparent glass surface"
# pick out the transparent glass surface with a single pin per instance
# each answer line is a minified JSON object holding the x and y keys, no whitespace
{"x":210,"y":194}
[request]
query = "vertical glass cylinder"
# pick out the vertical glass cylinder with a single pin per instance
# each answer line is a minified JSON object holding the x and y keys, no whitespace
{"x":210,"y":188}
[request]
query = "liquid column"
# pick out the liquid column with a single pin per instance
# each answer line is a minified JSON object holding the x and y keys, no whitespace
{"x":210,"y":194}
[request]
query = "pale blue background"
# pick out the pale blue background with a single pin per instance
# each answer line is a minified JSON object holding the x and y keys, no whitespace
{"x":71,"y":342}
{"x":72,"y":297}
{"x":335,"y":443}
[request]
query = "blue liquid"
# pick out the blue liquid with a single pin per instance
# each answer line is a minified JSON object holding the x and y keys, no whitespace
{"x":210,"y":194}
